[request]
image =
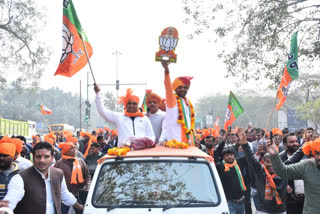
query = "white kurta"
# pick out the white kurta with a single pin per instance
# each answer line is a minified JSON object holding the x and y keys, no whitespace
{"x":173,"y":129}
{"x":139,"y":127}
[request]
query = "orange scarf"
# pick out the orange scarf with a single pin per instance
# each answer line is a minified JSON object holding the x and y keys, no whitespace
{"x":227,"y":167}
{"x":136,"y":114}
{"x":271,"y":187}
{"x":76,"y":170}
{"x":210,"y":151}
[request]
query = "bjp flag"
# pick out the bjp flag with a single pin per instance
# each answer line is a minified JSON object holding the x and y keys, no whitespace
{"x":291,"y":72}
{"x":73,"y":57}
{"x":44,"y":110}
{"x":234,"y":109}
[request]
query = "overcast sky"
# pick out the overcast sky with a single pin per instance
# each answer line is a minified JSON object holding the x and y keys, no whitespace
{"x":133,"y":28}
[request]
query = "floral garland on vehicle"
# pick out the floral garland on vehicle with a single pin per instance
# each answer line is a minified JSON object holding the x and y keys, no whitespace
{"x":182,"y":119}
{"x":118,"y":151}
{"x":176,"y":144}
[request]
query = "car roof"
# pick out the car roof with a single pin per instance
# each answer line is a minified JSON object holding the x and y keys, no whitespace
{"x":161,"y":151}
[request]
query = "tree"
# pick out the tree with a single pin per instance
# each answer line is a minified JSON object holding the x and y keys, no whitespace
{"x":260,"y":32}
{"x":21,"y":53}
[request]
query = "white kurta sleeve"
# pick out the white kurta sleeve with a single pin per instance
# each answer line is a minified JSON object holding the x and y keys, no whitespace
{"x":105,"y":113}
{"x":67,"y":197}
{"x":15,"y":191}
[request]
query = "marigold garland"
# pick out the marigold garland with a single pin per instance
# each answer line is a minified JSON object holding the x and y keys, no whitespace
{"x":118,"y":151}
{"x":176,"y":144}
{"x":181,"y":119}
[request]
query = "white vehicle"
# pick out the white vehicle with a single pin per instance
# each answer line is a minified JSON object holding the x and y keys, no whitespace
{"x":157,"y":180}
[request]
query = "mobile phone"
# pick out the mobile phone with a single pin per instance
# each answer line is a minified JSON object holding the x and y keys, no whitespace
{"x":229,"y":128}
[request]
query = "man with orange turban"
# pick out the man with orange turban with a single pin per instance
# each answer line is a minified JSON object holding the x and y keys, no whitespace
{"x":156,"y":116}
{"x":132,"y":123}
{"x":180,"y":118}
{"x":22,"y":163}
{"x":75,"y":171}
{"x":8,"y":168}
{"x":307,"y":170}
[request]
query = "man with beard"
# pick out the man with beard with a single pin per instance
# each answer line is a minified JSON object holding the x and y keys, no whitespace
{"x":232,"y":181}
{"x":295,"y":188}
{"x":75,"y":171}
{"x":8,"y":169}
{"x":308,"y":170}
{"x":271,"y":188}
{"x":130,"y":123}
{"x":180,"y":117}
{"x":156,"y":116}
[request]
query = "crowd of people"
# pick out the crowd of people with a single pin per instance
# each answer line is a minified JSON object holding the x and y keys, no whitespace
{"x":277,"y":170}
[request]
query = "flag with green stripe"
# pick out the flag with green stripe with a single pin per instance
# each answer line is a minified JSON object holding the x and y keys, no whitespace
{"x":234,"y":109}
{"x":73,"y":57}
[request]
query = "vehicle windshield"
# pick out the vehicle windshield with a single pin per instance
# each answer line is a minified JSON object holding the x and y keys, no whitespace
{"x":56,"y":128}
{"x":158,"y":182}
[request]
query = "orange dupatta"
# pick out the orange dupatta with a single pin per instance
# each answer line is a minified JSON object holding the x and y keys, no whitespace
{"x":76,"y":170}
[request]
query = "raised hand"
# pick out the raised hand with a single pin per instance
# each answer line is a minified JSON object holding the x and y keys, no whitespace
{"x":96,"y":88}
{"x":242,"y":137}
{"x":272,"y":148}
{"x":165,"y":65}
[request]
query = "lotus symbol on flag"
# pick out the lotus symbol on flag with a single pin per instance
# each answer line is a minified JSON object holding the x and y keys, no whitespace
{"x":228,"y":115}
{"x":67,"y":45}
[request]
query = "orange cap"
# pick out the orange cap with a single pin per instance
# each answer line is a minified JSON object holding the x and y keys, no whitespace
{"x":65,"y":147}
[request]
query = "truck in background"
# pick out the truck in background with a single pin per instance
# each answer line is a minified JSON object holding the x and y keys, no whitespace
{"x":17,"y":127}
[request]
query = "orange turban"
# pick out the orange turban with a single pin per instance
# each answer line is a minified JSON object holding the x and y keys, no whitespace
{"x":72,"y":140}
{"x":65,"y":147}
{"x":18,"y":144}
{"x":114,"y":132}
{"x":181,"y":81}
{"x":8,"y":149}
{"x":106,"y":128}
{"x":82,"y":134}
{"x":67,"y":134}
{"x":311,"y":146}
{"x":5,"y":139}
{"x":49,"y":139}
{"x":154,"y":96}
{"x":94,"y":139}
{"x":276,"y":131}
{"x":36,"y":137}
{"x":128,"y":97}
{"x":205,"y":133}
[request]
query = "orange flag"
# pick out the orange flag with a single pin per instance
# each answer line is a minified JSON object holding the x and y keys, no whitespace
{"x":290,"y":73}
{"x":73,"y":57}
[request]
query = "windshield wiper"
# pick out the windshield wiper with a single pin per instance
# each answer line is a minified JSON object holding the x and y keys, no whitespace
{"x":186,"y":202}
{"x":122,"y":203}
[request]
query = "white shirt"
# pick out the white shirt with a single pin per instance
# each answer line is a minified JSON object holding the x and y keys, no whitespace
{"x":156,"y":120}
{"x":22,"y":163}
{"x":16,"y":193}
{"x":139,"y":127}
{"x":173,"y":128}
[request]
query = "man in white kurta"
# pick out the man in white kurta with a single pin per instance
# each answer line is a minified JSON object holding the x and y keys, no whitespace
{"x":174,"y":129}
{"x":131,"y":123}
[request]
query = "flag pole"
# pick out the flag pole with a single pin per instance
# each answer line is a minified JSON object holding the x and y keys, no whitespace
{"x":85,"y":50}
{"x":45,"y":122}
{"x":268,"y":123}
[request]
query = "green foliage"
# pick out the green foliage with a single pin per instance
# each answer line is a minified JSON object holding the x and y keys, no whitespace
{"x":254,"y":36}
{"x":310,"y":111}
{"x":22,"y":56}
